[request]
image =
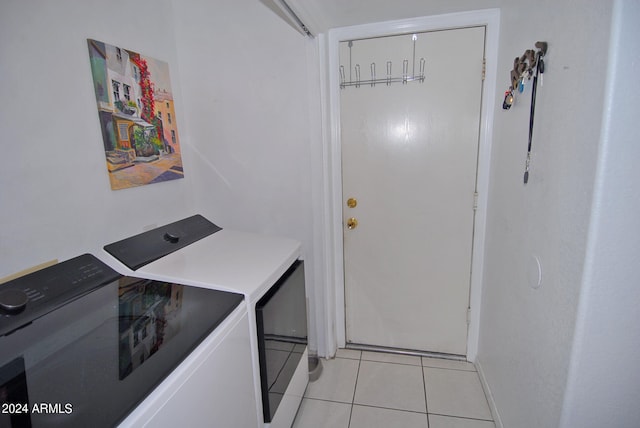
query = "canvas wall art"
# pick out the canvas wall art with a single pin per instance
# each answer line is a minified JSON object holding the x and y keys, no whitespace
{"x":137,"y":116}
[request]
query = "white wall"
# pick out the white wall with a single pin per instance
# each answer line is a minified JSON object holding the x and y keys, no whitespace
{"x":604,"y":383}
{"x":245,"y":83}
{"x":240,"y":82}
{"x":526,"y":333}
{"x":55,"y":196}
{"x":244,"y":80}
{"x":525,"y":350}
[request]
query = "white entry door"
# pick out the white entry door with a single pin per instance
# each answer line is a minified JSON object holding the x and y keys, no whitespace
{"x":409,"y":162}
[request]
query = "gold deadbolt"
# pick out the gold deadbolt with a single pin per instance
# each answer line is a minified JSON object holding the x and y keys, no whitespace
{"x":352,"y":202}
{"x":352,"y":223}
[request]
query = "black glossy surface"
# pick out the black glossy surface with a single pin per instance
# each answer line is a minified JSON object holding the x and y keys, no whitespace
{"x":49,"y":288}
{"x":281,"y":318}
{"x":144,"y":248}
{"x":93,"y":359}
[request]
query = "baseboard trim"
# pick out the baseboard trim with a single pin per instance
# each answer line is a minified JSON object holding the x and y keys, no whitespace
{"x":487,"y":392}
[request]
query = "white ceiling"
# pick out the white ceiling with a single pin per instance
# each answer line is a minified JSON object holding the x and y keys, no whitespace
{"x":321,"y":15}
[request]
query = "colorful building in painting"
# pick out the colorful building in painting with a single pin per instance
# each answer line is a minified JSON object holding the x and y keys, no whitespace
{"x":120,"y":101}
{"x":137,"y":116}
{"x":126,"y":98}
{"x":98,"y":58}
{"x":165,"y":111}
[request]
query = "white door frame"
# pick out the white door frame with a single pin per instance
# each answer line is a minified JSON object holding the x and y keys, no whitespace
{"x":332,"y":180}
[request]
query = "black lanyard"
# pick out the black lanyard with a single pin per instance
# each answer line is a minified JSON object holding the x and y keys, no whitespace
{"x":542,"y":46}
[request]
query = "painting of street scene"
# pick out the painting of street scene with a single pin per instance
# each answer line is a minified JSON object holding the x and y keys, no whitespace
{"x":137,"y":116}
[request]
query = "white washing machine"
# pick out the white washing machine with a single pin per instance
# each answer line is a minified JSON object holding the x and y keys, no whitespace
{"x":81,"y":345}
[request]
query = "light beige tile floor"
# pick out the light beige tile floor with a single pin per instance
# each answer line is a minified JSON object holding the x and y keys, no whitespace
{"x":362,"y":389}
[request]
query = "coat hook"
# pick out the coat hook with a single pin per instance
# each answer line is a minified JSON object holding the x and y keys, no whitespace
{"x":373,"y":74}
{"x":405,"y":71}
{"x":410,"y":69}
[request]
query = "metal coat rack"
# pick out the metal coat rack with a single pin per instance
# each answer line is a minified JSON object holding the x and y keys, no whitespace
{"x":388,"y":78}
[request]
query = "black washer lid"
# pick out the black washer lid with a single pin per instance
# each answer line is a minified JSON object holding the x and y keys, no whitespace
{"x":140,"y":250}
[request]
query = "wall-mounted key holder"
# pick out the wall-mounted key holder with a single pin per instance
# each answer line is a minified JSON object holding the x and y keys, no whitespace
{"x":530,"y":64}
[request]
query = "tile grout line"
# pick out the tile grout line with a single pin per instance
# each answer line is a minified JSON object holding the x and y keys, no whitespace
{"x":424,"y":387}
{"x":455,"y":416}
{"x":422,"y":366}
{"x":462,"y":417}
{"x":380,"y":407}
{"x":353,"y":398}
{"x":393,"y":362}
{"x":395,"y":409}
{"x":407,"y":364}
{"x":486,"y":398}
{"x":449,"y":368}
{"x":326,"y":400}
{"x":363,"y":358}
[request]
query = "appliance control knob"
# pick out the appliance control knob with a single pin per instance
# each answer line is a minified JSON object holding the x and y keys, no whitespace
{"x":13,"y":301}
{"x":173,"y":239}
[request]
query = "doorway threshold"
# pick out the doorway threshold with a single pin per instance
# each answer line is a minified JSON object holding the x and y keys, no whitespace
{"x":401,"y":351}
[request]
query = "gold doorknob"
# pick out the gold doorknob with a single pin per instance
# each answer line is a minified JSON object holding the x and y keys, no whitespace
{"x":352,"y":202}
{"x":352,"y":223}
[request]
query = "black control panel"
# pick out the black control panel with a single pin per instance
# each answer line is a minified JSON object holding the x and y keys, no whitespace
{"x":29,"y":297}
{"x":142,"y":249}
